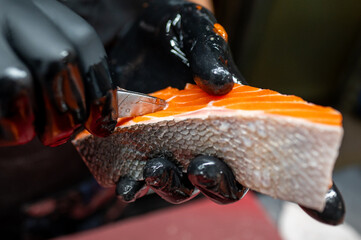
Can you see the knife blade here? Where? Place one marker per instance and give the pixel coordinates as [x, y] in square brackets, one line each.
[132, 104]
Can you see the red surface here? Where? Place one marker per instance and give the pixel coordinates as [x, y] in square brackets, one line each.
[200, 219]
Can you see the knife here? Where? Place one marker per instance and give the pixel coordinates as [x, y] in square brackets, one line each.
[132, 104]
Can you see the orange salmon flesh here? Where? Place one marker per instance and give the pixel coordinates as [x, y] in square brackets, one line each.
[242, 97]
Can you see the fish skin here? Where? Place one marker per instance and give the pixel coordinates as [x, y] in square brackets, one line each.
[285, 157]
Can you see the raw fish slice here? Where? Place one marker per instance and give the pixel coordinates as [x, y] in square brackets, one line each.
[275, 144]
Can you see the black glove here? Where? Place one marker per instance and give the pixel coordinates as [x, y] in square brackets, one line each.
[215, 180]
[204, 174]
[54, 76]
[171, 44]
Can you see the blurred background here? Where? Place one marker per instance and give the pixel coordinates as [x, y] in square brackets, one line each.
[307, 48]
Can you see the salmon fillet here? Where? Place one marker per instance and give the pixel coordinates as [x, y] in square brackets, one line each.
[275, 144]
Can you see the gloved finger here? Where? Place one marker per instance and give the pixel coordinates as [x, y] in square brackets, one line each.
[59, 90]
[16, 99]
[165, 179]
[215, 180]
[100, 94]
[334, 211]
[128, 189]
[206, 46]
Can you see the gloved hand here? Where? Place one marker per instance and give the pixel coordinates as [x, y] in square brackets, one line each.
[54, 76]
[205, 174]
[172, 43]
[215, 180]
